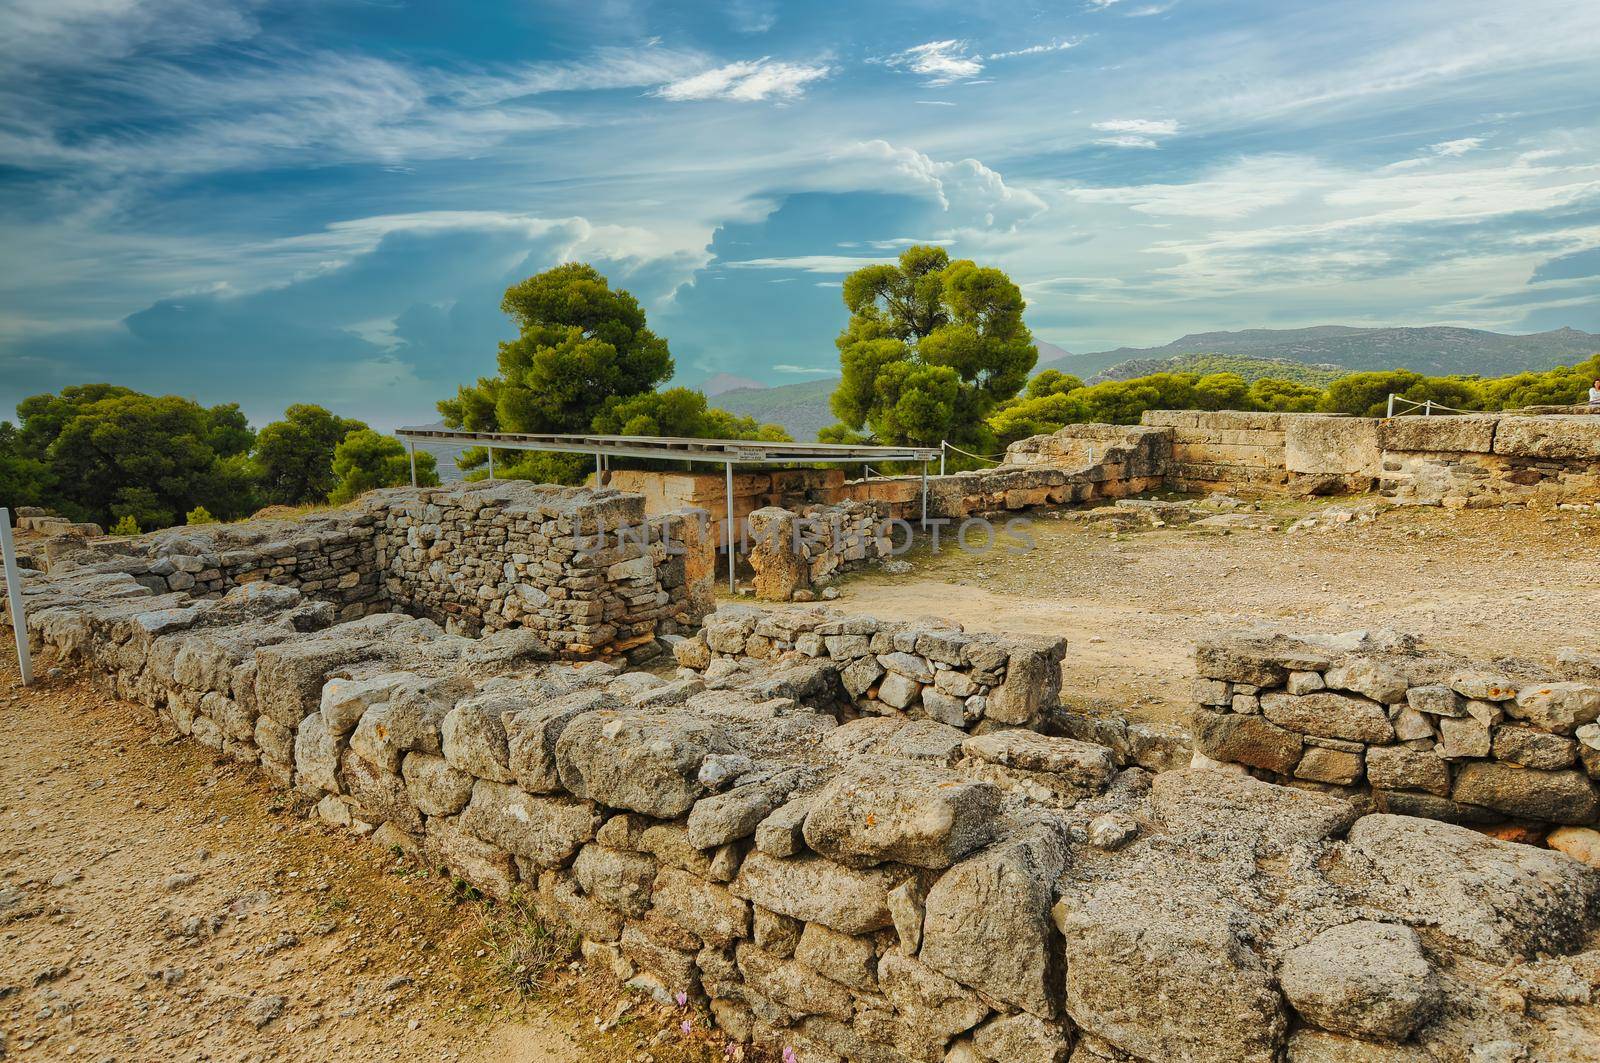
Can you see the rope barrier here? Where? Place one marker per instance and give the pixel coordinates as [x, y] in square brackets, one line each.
[970, 454]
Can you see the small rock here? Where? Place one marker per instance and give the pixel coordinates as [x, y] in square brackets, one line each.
[180, 880]
[1112, 831]
[263, 1010]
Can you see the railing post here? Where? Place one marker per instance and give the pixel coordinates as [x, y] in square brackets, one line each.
[941, 457]
[1391, 404]
[491, 463]
[411, 444]
[19, 620]
[727, 535]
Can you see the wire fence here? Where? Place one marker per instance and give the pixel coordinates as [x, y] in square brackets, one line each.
[1400, 406]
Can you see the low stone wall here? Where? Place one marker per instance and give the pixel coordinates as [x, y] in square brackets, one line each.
[1455, 460]
[883, 889]
[1421, 733]
[584, 568]
[978, 682]
[332, 557]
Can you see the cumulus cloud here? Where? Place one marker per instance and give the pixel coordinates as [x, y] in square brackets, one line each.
[1136, 132]
[748, 81]
[1450, 149]
[972, 195]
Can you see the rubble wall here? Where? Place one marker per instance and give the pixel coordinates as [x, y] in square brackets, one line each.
[584, 568]
[1418, 733]
[796, 553]
[976, 682]
[1456, 460]
[879, 889]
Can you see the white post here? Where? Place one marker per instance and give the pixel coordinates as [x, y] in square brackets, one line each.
[1391, 404]
[412, 445]
[1427, 407]
[941, 457]
[19, 621]
[727, 532]
[597, 468]
[924, 493]
[491, 463]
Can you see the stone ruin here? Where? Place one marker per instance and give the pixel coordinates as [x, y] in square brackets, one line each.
[830, 867]
[1406, 729]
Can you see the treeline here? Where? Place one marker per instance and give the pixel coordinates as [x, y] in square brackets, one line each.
[1053, 399]
[131, 462]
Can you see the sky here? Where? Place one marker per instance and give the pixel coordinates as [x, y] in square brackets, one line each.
[271, 202]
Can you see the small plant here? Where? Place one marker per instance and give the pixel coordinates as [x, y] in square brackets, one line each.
[526, 949]
[126, 526]
[199, 515]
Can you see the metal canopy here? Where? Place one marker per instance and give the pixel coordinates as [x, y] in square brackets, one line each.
[739, 451]
[725, 452]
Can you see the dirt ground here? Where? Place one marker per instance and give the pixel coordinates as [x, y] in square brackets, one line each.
[160, 903]
[1131, 604]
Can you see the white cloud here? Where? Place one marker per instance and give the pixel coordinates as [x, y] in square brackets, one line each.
[1037, 49]
[1136, 132]
[809, 263]
[1233, 191]
[750, 80]
[972, 195]
[941, 62]
[1451, 149]
[784, 367]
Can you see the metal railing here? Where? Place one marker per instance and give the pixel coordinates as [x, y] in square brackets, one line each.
[1411, 406]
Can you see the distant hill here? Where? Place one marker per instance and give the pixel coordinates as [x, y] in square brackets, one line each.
[1318, 375]
[1435, 350]
[724, 382]
[802, 409]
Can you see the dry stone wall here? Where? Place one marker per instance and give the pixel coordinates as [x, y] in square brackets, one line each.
[582, 567]
[973, 681]
[794, 554]
[1418, 733]
[879, 889]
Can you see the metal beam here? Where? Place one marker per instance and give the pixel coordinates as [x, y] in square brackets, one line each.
[19, 619]
[719, 451]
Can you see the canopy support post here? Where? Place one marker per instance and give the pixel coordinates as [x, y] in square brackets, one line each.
[727, 533]
[19, 620]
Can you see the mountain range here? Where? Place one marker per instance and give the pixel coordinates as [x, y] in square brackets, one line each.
[1311, 355]
[1438, 350]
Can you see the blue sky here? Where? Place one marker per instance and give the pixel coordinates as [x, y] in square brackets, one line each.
[318, 200]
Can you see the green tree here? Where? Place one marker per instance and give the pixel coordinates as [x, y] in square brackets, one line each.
[24, 480]
[931, 349]
[125, 526]
[199, 515]
[365, 460]
[580, 345]
[293, 459]
[1283, 396]
[148, 457]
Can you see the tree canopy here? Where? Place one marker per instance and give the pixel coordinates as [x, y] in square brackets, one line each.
[365, 460]
[293, 460]
[932, 347]
[584, 361]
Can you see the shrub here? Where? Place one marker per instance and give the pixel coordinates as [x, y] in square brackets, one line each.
[126, 525]
[199, 515]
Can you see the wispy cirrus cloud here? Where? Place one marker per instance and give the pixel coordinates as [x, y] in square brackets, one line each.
[748, 81]
[939, 62]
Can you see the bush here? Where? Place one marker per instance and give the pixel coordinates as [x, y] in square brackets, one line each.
[125, 526]
[198, 515]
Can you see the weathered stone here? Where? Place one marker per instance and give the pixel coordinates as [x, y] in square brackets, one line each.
[727, 817]
[1580, 843]
[1482, 686]
[1435, 700]
[1335, 766]
[1167, 977]
[932, 1008]
[1558, 707]
[485, 866]
[1374, 678]
[816, 890]
[1329, 715]
[1399, 768]
[474, 741]
[1308, 1045]
[907, 664]
[1251, 740]
[792, 985]
[1462, 739]
[859, 676]
[907, 905]
[436, 788]
[922, 816]
[1553, 796]
[379, 796]
[648, 764]
[844, 958]
[616, 877]
[944, 708]
[1534, 749]
[1032, 686]
[532, 734]
[987, 922]
[782, 833]
[672, 969]
[1211, 804]
[1365, 979]
[1022, 1038]
[1083, 763]
[898, 690]
[703, 908]
[316, 755]
[544, 830]
[345, 700]
[921, 740]
[1493, 900]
